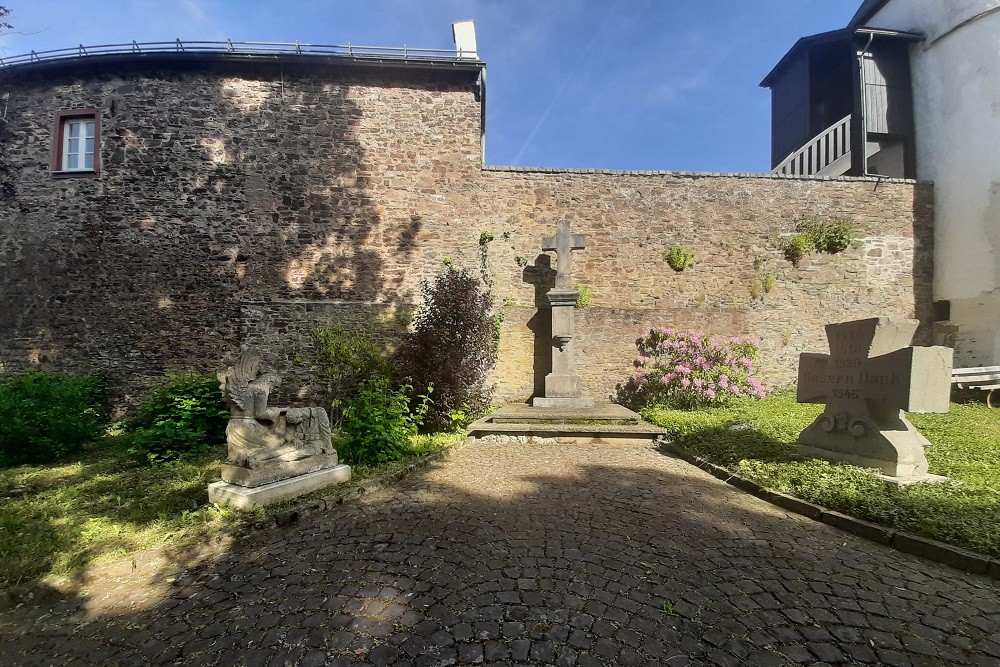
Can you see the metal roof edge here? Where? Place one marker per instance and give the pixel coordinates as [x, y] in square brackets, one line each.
[833, 35]
[428, 64]
[801, 43]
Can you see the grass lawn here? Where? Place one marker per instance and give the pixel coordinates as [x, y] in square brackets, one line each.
[965, 447]
[57, 519]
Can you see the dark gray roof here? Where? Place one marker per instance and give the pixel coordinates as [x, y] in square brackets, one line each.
[867, 10]
[804, 43]
[833, 36]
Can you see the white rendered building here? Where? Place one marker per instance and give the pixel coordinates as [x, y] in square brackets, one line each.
[921, 80]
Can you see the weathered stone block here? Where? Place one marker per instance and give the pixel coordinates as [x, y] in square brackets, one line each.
[223, 493]
[866, 382]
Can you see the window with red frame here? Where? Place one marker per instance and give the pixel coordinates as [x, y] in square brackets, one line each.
[76, 146]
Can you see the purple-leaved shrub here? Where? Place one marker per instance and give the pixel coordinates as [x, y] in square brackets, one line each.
[691, 369]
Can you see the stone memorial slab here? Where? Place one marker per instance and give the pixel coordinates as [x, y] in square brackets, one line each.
[269, 446]
[868, 380]
[562, 385]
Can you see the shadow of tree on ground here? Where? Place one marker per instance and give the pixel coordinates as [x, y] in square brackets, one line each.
[529, 554]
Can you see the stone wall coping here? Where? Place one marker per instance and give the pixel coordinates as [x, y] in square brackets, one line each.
[698, 174]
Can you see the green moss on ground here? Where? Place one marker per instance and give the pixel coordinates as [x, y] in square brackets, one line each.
[965, 447]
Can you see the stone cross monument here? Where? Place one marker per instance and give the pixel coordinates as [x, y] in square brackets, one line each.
[869, 378]
[562, 385]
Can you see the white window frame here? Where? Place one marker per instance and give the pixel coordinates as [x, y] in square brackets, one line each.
[88, 129]
[65, 148]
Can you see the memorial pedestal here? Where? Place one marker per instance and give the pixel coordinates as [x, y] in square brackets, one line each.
[562, 385]
[242, 497]
[867, 382]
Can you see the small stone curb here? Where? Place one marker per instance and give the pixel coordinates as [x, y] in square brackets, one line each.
[962, 559]
[296, 512]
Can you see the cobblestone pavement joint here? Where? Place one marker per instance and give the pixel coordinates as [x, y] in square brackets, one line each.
[534, 555]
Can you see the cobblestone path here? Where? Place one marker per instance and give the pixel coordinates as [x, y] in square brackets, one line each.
[535, 555]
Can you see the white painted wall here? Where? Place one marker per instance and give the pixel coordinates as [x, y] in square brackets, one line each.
[956, 81]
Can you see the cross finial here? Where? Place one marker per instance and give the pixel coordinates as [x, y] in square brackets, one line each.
[564, 243]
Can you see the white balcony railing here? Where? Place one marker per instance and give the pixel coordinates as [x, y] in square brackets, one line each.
[827, 154]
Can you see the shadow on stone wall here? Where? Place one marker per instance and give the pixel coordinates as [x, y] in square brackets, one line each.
[543, 277]
[923, 264]
[220, 188]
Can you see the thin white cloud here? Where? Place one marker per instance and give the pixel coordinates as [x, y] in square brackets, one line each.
[195, 11]
[576, 65]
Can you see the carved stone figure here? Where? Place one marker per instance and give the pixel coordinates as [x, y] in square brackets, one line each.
[268, 444]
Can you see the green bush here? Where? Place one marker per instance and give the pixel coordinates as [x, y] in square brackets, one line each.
[182, 417]
[378, 423]
[829, 236]
[680, 258]
[452, 348]
[341, 362]
[44, 416]
[796, 248]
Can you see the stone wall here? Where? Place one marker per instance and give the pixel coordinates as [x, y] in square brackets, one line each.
[734, 225]
[222, 185]
[247, 204]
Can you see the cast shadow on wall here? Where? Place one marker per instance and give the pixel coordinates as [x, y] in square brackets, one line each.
[542, 276]
[225, 189]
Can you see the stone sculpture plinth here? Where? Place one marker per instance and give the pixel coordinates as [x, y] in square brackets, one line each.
[274, 453]
[562, 385]
[867, 381]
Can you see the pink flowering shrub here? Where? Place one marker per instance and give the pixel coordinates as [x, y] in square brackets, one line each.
[691, 369]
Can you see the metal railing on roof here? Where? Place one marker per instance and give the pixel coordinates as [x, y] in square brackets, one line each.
[248, 49]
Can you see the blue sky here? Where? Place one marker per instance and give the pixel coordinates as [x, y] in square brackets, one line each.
[602, 84]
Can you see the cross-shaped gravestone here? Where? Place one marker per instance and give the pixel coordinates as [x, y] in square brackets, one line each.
[564, 243]
[562, 385]
[869, 378]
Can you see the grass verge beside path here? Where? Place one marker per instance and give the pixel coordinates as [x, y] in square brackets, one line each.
[965, 446]
[55, 520]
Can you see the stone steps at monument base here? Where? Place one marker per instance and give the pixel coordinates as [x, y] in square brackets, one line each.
[605, 413]
[568, 433]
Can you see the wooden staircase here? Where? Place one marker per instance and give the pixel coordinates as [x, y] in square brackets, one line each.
[826, 154]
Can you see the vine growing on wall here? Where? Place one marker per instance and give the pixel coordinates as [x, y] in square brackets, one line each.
[485, 239]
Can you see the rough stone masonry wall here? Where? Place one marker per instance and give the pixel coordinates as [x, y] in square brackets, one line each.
[230, 195]
[243, 204]
[734, 225]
